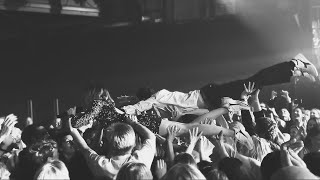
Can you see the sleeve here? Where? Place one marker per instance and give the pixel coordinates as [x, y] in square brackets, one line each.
[100, 166]
[140, 106]
[186, 100]
[248, 122]
[146, 153]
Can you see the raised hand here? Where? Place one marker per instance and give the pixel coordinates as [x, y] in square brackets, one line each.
[194, 135]
[289, 157]
[172, 133]
[248, 90]
[161, 168]
[9, 122]
[218, 143]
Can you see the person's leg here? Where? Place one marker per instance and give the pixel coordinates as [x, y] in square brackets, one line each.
[276, 74]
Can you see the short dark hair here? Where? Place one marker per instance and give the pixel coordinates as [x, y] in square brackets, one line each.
[185, 158]
[270, 164]
[231, 167]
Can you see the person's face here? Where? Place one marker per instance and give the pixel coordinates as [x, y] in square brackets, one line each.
[314, 114]
[67, 144]
[311, 123]
[297, 114]
[293, 132]
[306, 116]
[285, 113]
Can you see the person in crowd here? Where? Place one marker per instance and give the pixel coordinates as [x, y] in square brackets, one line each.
[101, 108]
[117, 150]
[314, 113]
[134, 171]
[52, 170]
[209, 96]
[183, 172]
[311, 123]
[72, 158]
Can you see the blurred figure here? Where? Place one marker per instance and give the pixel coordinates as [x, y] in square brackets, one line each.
[52, 170]
[134, 171]
[183, 172]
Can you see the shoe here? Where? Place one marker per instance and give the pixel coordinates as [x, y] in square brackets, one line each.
[304, 65]
[234, 105]
[241, 135]
[298, 73]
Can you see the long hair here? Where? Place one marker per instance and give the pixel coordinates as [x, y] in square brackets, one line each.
[134, 171]
[96, 91]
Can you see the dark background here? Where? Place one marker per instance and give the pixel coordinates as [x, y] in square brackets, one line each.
[44, 57]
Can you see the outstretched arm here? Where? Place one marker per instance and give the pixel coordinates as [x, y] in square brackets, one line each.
[141, 106]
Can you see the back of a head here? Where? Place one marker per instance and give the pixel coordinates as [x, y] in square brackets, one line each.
[145, 93]
[134, 171]
[232, 168]
[185, 158]
[312, 161]
[33, 133]
[120, 139]
[216, 174]
[183, 172]
[270, 164]
[263, 127]
[293, 173]
[53, 170]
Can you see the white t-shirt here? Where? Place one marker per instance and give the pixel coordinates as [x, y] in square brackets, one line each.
[109, 167]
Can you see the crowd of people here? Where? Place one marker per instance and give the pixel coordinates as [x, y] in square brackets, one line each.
[219, 132]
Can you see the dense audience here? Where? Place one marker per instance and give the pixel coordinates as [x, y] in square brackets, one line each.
[172, 135]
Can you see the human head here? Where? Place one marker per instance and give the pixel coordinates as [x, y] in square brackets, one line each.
[216, 174]
[233, 168]
[96, 91]
[34, 133]
[134, 171]
[66, 144]
[145, 93]
[293, 173]
[306, 115]
[315, 113]
[42, 151]
[120, 139]
[314, 136]
[185, 158]
[294, 132]
[266, 128]
[312, 122]
[270, 164]
[297, 116]
[183, 172]
[284, 114]
[52, 170]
